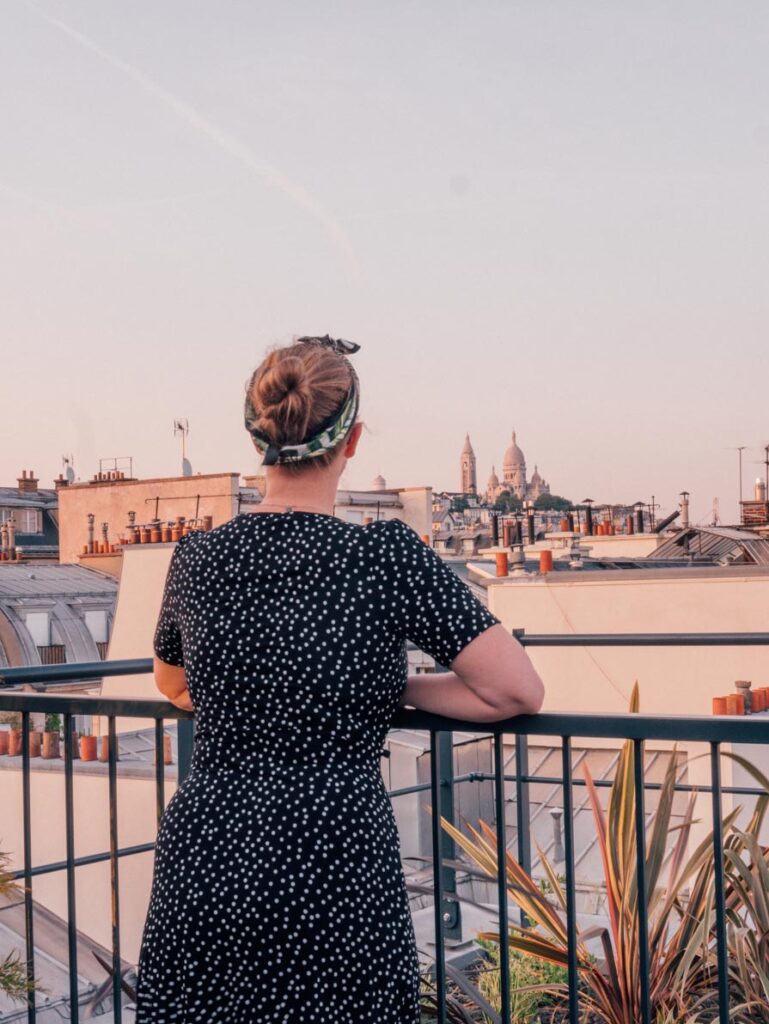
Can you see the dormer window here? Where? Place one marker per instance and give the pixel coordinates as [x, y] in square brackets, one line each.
[27, 520]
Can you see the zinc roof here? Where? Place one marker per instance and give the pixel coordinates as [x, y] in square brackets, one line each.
[36, 580]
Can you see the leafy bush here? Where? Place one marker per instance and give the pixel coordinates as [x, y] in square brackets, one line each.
[13, 973]
[532, 982]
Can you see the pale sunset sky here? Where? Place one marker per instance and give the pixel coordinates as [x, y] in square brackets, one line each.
[549, 216]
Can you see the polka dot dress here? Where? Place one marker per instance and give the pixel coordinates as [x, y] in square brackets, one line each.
[278, 892]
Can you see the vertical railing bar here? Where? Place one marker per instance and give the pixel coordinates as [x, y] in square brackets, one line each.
[29, 927]
[571, 890]
[504, 946]
[69, 814]
[522, 809]
[718, 874]
[641, 889]
[440, 964]
[160, 771]
[117, 973]
[185, 736]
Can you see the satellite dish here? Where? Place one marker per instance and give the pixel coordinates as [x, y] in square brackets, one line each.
[186, 467]
[70, 475]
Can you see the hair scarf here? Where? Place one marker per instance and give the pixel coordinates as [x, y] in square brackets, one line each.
[329, 433]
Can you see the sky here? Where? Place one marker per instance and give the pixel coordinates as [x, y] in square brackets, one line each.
[549, 217]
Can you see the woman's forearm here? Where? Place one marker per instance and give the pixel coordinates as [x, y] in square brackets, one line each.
[444, 693]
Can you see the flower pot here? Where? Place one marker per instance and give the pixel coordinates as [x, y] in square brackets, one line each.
[735, 704]
[167, 756]
[88, 748]
[719, 706]
[104, 748]
[5, 737]
[51, 744]
[35, 743]
[14, 742]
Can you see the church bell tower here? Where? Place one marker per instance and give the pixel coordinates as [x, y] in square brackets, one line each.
[467, 463]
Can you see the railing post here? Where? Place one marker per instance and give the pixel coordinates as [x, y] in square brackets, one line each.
[28, 904]
[117, 973]
[522, 809]
[69, 815]
[437, 810]
[718, 877]
[642, 895]
[504, 941]
[185, 736]
[571, 883]
[452, 922]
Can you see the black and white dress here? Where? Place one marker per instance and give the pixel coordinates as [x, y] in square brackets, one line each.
[278, 892]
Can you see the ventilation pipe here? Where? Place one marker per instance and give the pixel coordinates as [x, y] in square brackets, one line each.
[760, 489]
[685, 510]
[639, 517]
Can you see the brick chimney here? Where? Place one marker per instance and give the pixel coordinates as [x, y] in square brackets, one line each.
[26, 483]
[60, 481]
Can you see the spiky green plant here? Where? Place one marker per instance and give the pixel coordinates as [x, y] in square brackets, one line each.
[680, 904]
[13, 972]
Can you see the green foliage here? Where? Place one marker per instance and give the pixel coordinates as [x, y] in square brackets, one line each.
[683, 965]
[552, 503]
[13, 973]
[52, 722]
[533, 983]
[12, 718]
[459, 503]
[508, 502]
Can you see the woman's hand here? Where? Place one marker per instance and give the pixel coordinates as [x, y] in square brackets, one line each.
[183, 701]
[171, 680]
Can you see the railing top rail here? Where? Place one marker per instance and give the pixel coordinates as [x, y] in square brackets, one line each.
[672, 728]
[641, 639]
[139, 666]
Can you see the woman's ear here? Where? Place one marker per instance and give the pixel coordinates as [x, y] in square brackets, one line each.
[352, 441]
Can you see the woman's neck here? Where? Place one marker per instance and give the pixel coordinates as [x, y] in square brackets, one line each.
[317, 493]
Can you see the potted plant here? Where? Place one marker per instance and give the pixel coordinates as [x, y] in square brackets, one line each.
[51, 735]
[88, 745]
[11, 719]
[35, 743]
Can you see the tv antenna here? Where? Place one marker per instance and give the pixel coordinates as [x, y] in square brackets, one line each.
[182, 426]
[740, 448]
[68, 462]
[716, 512]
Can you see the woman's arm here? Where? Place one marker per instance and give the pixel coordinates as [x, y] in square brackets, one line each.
[171, 680]
[492, 678]
[444, 693]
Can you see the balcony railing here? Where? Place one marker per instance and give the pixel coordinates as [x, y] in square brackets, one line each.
[564, 728]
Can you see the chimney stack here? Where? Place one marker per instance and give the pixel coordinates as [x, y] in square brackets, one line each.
[760, 490]
[685, 510]
[27, 484]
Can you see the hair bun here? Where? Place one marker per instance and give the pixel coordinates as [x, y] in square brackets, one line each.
[297, 387]
[283, 378]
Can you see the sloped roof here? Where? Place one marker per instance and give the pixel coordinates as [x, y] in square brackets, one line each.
[715, 544]
[28, 579]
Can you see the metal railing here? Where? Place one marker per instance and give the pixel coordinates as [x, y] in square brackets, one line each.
[637, 728]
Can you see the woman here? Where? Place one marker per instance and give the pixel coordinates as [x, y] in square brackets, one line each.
[278, 893]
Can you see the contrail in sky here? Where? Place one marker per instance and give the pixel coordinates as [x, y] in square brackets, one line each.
[236, 149]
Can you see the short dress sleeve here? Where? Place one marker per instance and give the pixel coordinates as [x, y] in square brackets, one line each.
[429, 603]
[167, 642]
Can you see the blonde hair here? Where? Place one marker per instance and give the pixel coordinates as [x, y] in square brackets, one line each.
[294, 390]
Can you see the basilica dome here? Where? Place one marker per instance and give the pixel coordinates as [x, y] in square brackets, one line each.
[514, 458]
